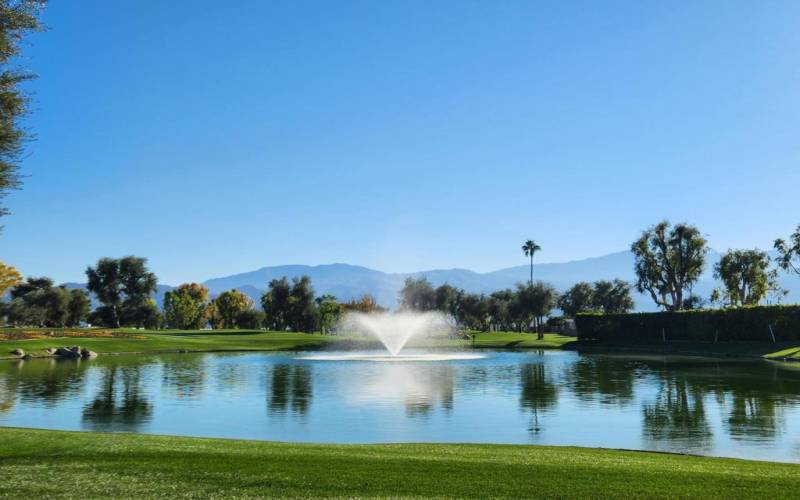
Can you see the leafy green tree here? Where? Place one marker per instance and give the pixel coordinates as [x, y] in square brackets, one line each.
[579, 298]
[37, 302]
[302, 314]
[746, 278]
[473, 311]
[251, 319]
[789, 252]
[500, 308]
[18, 18]
[329, 312]
[187, 307]
[446, 298]
[418, 295]
[8, 277]
[123, 286]
[668, 261]
[533, 303]
[275, 303]
[79, 307]
[228, 308]
[529, 249]
[612, 297]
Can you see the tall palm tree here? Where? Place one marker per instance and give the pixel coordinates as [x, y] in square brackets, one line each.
[530, 247]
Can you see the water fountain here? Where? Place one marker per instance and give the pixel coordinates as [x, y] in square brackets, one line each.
[395, 330]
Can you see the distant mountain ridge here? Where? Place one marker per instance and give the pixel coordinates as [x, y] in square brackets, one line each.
[347, 281]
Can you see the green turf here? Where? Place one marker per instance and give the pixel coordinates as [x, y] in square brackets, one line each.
[39, 464]
[141, 341]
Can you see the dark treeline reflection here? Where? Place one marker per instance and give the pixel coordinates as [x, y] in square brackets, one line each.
[184, 375]
[538, 392]
[605, 379]
[290, 389]
[44, 381]
[120, 402]
[677, 416]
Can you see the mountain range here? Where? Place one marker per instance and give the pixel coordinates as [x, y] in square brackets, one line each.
[347, 281]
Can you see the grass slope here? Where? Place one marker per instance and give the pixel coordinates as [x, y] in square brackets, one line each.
[255, 340]
[37, 464]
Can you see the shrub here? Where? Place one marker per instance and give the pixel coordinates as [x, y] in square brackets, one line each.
[750, 324]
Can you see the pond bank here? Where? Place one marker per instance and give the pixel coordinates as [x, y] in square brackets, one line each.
[38, 463]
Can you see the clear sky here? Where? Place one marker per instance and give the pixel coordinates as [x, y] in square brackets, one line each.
[218, 137]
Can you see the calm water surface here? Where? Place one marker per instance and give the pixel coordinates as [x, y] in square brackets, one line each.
[710, 407]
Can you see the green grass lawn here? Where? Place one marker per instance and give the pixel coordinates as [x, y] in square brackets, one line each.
[37, 464]
[253, 340]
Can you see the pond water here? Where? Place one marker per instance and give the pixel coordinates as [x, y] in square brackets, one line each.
[703, 406]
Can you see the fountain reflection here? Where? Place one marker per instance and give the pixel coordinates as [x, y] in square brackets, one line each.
[419, 387]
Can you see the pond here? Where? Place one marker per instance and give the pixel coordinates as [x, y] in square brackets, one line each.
[703, 406]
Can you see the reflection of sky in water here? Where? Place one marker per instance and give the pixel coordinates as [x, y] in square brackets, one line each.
[745, 409]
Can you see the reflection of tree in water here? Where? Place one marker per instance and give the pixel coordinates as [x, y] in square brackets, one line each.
[119, 403]
[291, 389]
[8, 392]
[752, 417]
[184, 374]
[538, 394]
[677, 415]
[607, 379]
[48, 381]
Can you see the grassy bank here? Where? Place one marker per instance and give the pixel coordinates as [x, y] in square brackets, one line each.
[142, 341]
[39, 464]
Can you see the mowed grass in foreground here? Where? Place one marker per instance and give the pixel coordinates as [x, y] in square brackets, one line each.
[144, 341]
[36, 464]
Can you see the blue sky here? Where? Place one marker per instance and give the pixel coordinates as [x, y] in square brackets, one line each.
[219, 137]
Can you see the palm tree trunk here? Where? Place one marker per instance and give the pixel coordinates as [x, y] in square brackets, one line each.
[531, 282]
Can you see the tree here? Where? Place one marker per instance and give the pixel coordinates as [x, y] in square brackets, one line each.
[500, 308]
[533, 303]
[612, 297]
[789, 252]
[275, 302]
[9, 277]
[579, 298]
[418, 295]
[79, 307]
[302, 314]
[668, 261]
[745, 277]
[186, 307]
[123, 286]
[329, 312]
[473, 311]
[17, 19]
[446, 298]
[37, 302]
[229, 307]
[530, 248]
[365, 304]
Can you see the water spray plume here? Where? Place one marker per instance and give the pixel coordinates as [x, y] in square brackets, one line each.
[395, 329]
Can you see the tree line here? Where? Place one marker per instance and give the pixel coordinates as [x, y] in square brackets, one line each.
[668, 261]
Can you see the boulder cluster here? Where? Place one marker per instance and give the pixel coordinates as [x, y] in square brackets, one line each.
[61, 352]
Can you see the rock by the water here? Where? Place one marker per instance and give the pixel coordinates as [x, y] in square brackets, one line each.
[67, 353]
[18, 352]
[50, 350]
[86, 353]
[27, 356]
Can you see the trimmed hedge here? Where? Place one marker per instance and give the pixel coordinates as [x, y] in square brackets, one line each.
[749, 324]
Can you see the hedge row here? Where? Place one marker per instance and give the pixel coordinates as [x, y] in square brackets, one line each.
[705, 325]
